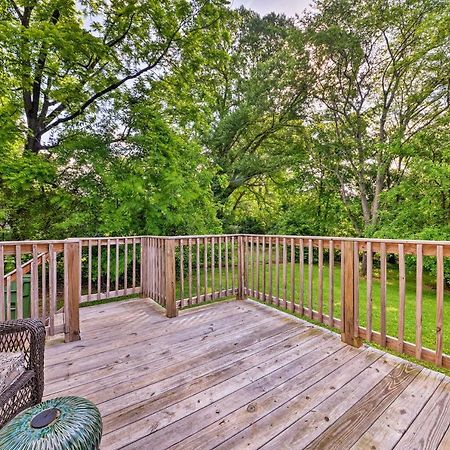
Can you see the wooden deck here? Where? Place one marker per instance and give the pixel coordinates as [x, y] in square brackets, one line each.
[242, 375]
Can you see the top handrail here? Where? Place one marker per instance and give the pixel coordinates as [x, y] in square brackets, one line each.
[354, 239]
[202, 236]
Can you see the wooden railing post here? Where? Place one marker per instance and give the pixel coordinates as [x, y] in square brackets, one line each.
[170, 275]
[349, 332]
[241, 268]
[145, 275]
[72, 290]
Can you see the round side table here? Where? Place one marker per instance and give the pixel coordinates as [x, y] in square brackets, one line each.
[64, 423]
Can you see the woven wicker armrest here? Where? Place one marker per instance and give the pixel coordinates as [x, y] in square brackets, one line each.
[26, 336]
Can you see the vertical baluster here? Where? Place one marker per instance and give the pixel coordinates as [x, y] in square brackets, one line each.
[162, 252]
[292, 275]
[108, 265]
[439, 303]
[257, 269]
[117, 265]
[320, 282]
[154, 244]
[134, 265]
[383, 276]
[150, 245]
[43, 287]
[301, 277]
[8, 298]
[190, 271]
[226, 266]
[163, 270]
[419, 299]
[402, 296]
[52, 287]
[245, 273]
[2, 284]
[89, 269]
[277, 269]
[19, 283]
[205, 267]
[252, 275]
[263, 258]
[213, 281]
[198, 270]
[284, 273]
[99, 268]
[356, 289]
[331, 285]
[220, 265]
[34, 284]
[160, 249]
[270, 257]
[66, 286]
[342, 243]
[182, 272]
[369, 293]
[125, 268]
[310, 277]
[156, 267]
[232, 264]
[80, 267]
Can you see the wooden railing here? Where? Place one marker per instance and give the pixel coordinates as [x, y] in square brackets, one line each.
[344, 283]
[389, 292]
[49, 263]
[63, 274]
[110, 267]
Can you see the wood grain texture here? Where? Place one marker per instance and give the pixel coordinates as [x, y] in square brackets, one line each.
[2, 286]
[388, 429]
[311, 425]
[356, 420]
[439, 303]
[431, 425]
[369, 293]
[419, 300]
[241, 375]
[331, 284]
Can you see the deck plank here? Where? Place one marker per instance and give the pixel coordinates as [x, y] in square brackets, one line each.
[388, 429]
[85, 368]
[355, 421]
[431, 424]
[280, 411]
[260, 359]
[185, 402]
[237, 374]
[139, 376]
[312, 424]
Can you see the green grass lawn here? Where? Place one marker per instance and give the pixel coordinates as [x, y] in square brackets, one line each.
[392, 300]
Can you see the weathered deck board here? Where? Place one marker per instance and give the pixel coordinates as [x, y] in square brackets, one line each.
[241, 375]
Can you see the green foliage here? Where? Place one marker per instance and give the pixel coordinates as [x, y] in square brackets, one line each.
[190, 117]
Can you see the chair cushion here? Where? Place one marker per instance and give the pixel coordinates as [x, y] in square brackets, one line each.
[12, 366]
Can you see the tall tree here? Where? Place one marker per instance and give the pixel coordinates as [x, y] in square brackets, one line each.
[259, 95]
[382, 70]
[66, 56]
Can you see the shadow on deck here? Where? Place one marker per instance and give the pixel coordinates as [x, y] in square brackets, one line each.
[242, 375]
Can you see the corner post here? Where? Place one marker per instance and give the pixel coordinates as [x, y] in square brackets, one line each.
[349, 333]
[72, 289]
[170, 275]
[241, 269]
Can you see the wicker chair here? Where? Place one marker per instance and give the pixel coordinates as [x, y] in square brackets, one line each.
[28, 337]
